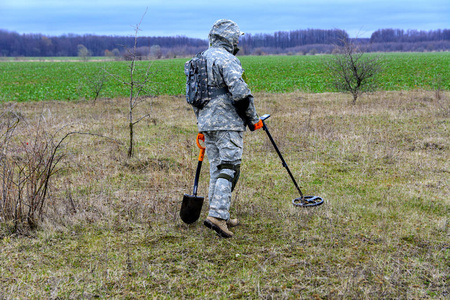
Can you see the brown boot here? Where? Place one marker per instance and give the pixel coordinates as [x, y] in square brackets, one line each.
[219, 226]
[232, 222]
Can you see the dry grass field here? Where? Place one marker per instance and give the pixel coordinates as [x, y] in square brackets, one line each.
[109, 226]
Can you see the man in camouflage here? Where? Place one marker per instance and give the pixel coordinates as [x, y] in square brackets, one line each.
[223, 121]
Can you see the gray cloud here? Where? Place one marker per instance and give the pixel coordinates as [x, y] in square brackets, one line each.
[194, 18]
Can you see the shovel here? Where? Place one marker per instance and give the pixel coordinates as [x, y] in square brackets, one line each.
[192, 205]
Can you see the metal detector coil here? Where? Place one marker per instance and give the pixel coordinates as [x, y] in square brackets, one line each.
[308, 201]
[303, 201]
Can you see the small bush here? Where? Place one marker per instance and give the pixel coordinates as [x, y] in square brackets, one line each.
[29, 157]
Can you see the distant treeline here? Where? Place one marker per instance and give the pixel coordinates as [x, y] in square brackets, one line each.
[34, 45]
[309, 41]
[313, 41]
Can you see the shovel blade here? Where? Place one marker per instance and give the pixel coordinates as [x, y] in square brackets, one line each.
[191, 208]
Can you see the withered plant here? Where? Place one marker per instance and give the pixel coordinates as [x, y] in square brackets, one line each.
[353, 70]
[139, 85]
[28, 162]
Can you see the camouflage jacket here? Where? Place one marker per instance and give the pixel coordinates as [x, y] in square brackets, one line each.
[225, 70]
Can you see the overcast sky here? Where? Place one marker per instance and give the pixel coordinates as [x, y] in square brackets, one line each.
[193, 18]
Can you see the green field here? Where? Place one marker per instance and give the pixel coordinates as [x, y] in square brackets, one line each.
[109, 226]
[66, 80]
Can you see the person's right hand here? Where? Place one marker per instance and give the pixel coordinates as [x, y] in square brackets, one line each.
[256, 126]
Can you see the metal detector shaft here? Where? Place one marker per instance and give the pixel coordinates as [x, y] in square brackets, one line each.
[264, 117]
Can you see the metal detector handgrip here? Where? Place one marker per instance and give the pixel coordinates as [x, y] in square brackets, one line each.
[265, 117]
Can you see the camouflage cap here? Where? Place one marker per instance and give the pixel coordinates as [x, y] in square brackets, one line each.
[225, 31]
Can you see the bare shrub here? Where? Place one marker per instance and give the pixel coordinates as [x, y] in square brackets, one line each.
[30, 156]
[139, 85]
[437, 85]
[95, 84]
[28, 162]
[443, 105]
[352, 70]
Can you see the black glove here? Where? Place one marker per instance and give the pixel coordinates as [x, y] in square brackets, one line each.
[241, 107]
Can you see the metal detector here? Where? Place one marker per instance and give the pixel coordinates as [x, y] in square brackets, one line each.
[304, 201]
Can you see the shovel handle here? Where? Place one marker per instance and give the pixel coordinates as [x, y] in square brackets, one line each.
[197, 173]
[201, 155]
[200, 136]
[197, 176]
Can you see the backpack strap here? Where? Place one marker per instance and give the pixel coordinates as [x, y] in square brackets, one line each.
[214, 91]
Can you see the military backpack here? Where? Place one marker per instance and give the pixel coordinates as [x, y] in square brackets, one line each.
[197, 91]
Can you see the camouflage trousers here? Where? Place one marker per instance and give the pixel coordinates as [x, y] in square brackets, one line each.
[224, 152]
